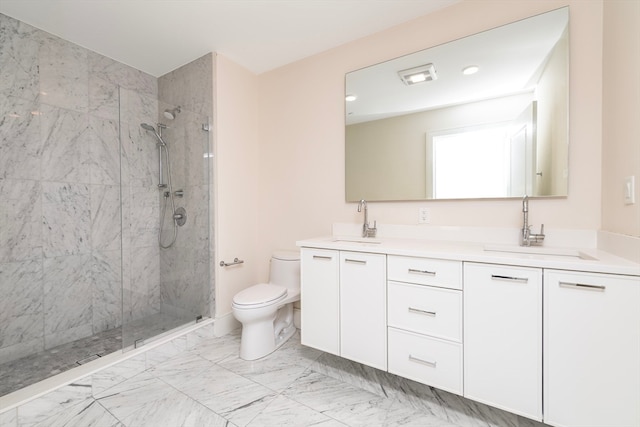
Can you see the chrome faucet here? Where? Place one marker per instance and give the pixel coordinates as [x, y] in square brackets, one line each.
[527, 238]
[366, 230]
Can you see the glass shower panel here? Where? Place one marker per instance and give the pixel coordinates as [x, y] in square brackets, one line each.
[166, 250]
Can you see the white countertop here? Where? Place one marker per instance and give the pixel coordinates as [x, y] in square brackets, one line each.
[560, 258]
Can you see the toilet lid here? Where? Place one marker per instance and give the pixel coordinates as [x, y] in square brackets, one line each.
[287, 255]
[263, 293]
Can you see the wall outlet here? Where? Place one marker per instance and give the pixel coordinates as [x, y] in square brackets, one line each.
[424, 216]
[630, 190]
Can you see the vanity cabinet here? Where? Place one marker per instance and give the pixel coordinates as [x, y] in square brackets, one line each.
[363, 304]
[425, 321]
[591, 349]
[481, 328]
[503, 337]
[320, 299]
[344, 304]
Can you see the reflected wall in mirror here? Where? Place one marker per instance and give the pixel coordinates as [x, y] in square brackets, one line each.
[449, 134]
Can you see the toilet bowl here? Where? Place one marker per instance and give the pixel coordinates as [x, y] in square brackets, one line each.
[266, 309]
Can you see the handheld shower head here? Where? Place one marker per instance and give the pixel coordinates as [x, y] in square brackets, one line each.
[171, 114]
[155, 132]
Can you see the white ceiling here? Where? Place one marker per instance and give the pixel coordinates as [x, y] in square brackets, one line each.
[158, 36]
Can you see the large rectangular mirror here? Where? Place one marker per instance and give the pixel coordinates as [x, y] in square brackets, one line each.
[485, 116]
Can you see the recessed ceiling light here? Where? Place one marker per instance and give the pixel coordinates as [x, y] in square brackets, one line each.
[471, 69]
[350, 98]
[423, 73]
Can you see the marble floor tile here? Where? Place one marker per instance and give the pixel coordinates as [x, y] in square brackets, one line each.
[283, 412]
[219, 348]
[345, 403]
[144, 400]
[277, 370]
[118, 373]
[181, 366]
[399, 414]
[203, 382]
[9, 418]
[86, 414]
[54, 403]
[236, 398]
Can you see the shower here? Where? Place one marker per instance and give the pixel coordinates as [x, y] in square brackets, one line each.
[179, 215]
[171, 114]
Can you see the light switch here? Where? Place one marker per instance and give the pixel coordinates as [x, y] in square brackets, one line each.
[630, 190]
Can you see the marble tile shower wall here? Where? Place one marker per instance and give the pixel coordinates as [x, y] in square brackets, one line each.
[184, 268]
[62, 109]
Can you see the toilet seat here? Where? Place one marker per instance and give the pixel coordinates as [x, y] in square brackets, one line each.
[259, 295]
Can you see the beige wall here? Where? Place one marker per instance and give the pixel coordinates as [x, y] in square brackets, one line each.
[284, 180]
[236, 178]
[302, 129]
[621, 115]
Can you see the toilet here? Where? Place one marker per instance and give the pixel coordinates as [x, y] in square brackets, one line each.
[266, 309]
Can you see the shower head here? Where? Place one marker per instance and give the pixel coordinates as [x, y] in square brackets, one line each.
[155, 132]
[171, 114]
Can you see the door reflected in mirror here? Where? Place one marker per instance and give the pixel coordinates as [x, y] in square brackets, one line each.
[499, 132]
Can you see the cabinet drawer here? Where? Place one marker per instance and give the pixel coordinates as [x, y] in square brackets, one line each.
[425, 310]
[427, 360]
[425, 271]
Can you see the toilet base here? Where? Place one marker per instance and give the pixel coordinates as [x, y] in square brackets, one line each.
[259, 339]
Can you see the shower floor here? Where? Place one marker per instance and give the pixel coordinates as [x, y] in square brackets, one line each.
[31, 369]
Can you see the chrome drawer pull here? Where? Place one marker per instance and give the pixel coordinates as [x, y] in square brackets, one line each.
[600, 288]
[430, 273]
[423, 361]
[355, 261]
[418, 311]
[322, 257]
[510, 278]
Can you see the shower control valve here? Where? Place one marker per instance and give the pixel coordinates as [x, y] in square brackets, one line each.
[179, 193]
[180, 216]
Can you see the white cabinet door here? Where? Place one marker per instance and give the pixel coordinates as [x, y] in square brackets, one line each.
[363, 308]
[592, 349]
[320, 299]
[503, 337]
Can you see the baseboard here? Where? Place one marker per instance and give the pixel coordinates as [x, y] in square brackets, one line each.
[225, 324]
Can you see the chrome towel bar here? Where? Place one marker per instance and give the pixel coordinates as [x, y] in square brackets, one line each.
[235, 262]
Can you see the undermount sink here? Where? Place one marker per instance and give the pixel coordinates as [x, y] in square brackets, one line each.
[538, 250]
[364, 240]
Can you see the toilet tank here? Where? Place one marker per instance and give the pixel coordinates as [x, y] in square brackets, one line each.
[285, 269]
